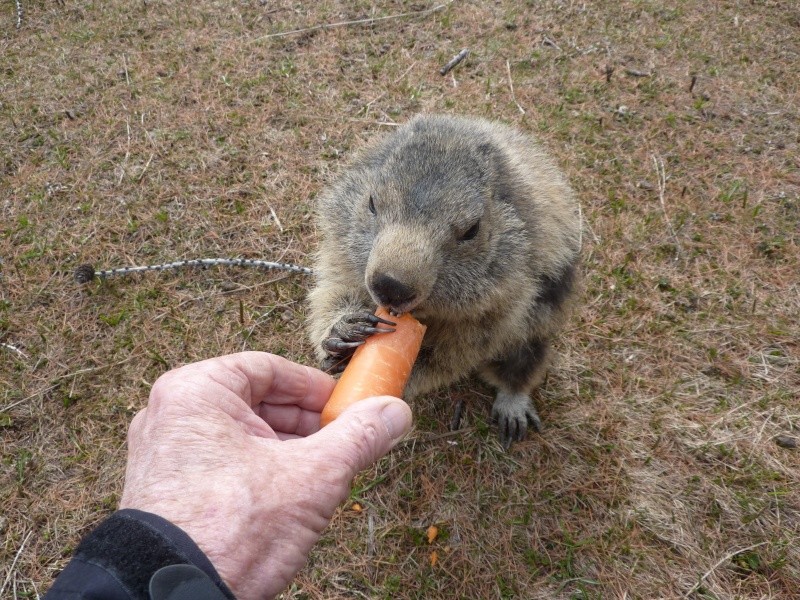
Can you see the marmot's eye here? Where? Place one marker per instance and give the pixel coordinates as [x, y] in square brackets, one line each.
[471, 232]
[372, 206]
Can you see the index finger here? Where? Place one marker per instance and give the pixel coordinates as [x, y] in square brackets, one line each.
[276, 380]
[259, 377]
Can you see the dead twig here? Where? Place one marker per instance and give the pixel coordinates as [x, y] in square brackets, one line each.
[127, 152]
[724, 559]
[249, 334]
[13, 349]
[14, 562]
[275, 218]
[638, 73]
[371, 535]
[369, 21]
[662, 187]
[454, 61]
[585, 224]
[546, 41]
[511, 87]
[141, 175]
[125, 68]
[438, 436]
[20, 13]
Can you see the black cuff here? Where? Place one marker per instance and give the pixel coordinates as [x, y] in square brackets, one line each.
[183, 582]
[130, 546]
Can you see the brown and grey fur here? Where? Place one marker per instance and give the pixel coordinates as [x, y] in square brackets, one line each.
[476, 233]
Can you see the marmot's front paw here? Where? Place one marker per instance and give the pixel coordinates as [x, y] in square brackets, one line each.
[347, 334]
[513, 413]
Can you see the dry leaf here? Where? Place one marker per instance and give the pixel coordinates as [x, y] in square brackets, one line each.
[433, 533]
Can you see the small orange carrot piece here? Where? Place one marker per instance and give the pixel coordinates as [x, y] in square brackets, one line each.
[381, 367]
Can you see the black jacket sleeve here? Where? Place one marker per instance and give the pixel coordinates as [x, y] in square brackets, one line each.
[134, 555]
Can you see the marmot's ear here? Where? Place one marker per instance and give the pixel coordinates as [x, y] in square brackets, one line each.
[495, 171]
[492, 163]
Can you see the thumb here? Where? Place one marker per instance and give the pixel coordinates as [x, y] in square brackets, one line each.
[363, 433]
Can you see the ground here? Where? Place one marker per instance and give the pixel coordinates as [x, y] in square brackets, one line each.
[149, 131]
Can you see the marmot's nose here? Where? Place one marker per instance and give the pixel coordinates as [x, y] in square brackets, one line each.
[392, 293]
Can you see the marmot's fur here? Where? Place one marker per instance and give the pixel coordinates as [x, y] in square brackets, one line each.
[468, 225]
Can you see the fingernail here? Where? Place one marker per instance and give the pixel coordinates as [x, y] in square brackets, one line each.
[397, 418]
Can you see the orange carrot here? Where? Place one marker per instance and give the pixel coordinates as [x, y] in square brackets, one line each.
[381, 367]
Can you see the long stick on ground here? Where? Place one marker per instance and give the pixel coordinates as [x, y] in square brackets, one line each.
[356, 22]
[86, 273]
[19, 13]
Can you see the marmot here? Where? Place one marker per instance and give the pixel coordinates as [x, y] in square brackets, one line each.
[468, 225]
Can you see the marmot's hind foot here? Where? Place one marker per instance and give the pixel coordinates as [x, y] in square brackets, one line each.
[513, 413]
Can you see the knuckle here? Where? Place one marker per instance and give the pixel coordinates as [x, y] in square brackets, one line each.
[136, 426]
[162, 387]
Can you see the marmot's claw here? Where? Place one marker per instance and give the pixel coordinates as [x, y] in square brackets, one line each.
[360, 326]
[510, 431]
[337, 347]
[368, 331]
[360, 317]
[513, 413]
[351, 331]
[353, 328]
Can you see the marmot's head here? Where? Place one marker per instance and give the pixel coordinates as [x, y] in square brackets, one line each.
[427, 219]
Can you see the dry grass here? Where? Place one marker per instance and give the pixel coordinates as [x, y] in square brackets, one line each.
[151, 131]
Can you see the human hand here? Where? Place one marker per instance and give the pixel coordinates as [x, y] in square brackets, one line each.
[228, 449]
